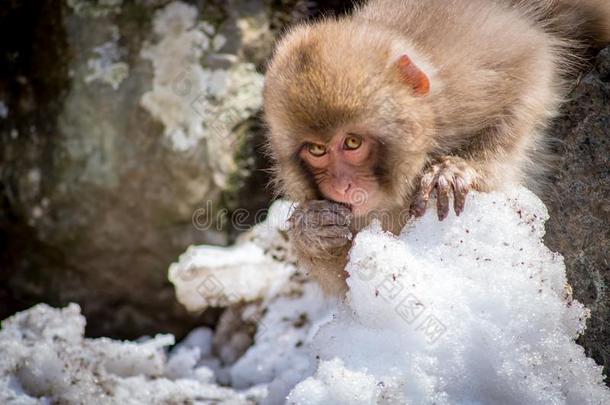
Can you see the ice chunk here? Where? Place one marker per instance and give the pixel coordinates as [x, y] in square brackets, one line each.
[257, 266]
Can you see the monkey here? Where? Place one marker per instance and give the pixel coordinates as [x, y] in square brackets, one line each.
[371, 113]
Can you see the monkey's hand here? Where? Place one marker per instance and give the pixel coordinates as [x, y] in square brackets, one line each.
[320, 229]
[452, 174]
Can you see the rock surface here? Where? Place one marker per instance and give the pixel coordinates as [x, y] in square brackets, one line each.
[579, 202]
[120, 123]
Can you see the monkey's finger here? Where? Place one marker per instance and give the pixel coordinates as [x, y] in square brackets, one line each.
[317, 205]
[460, 191]
[428, 181]
[442, 198]
[335, 242]
[325, 206]
[322, 218]
[418, 208]
[296, 219]
[334, 231]
[341, 210]
[328, 244]
[344, 213]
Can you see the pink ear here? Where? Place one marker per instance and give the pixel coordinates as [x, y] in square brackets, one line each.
[413, 76]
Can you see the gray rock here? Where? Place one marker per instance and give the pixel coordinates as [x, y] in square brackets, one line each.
[115, 131]
[579, 202]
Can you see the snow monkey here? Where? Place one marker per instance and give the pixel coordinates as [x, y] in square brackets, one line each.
[370, 113]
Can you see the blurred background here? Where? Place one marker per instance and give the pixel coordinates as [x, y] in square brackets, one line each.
[130, 130]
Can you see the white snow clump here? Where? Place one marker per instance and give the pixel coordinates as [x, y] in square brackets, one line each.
[257, 266]
[46, 360]
[471, 310]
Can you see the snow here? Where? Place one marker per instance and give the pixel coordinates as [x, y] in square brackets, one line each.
[216, 276]
[45, 359]
[472, 310]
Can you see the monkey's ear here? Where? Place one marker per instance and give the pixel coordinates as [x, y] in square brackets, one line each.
[413, 76]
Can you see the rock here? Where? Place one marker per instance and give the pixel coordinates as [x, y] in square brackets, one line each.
[116, 131]
[579, 202]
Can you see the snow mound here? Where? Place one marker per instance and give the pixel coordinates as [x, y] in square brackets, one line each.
[46, 360]
[257, 266]
[471, 310]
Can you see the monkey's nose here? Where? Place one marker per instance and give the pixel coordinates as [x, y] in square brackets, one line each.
[343, 188]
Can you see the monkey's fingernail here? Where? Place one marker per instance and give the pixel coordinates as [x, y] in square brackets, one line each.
[442, 215]
[442, 203]
[458, 205]
[459, 197]
[442, 208]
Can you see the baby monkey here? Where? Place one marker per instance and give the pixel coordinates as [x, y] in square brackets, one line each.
[371, 113]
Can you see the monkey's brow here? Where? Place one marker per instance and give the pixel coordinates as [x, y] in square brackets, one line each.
[313, 139]
[377, 138]
[297, 151]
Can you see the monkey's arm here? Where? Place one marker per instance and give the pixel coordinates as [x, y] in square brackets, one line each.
[495, 156]
[320, 234]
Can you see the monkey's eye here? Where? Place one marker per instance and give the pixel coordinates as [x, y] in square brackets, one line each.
[352, 142]
[316, 149]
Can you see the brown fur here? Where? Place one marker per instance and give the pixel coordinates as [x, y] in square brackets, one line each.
[497, 70]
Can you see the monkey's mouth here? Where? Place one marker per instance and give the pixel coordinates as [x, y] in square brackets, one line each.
[349, 206]
[346, 205]
[359, 203]
[357, 207]
[357, 210]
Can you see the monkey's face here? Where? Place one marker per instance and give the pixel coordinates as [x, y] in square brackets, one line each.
[343, 170]
[348, 117]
